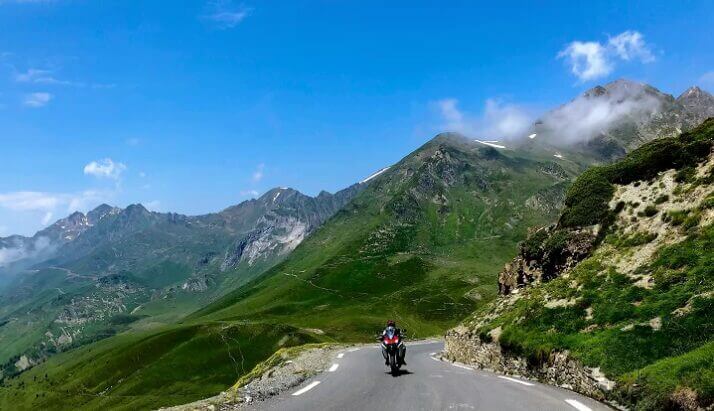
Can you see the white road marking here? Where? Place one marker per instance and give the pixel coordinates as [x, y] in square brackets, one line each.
[515, 380]
[425, 342]
[334, 367]
[307, 388]
[466, 367]
[353, 349]
[340, 355]
[578, 405]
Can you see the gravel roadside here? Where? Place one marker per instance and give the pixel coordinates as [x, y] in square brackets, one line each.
[284, 370]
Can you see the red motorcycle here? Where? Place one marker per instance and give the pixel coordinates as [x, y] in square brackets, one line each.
[393, 349]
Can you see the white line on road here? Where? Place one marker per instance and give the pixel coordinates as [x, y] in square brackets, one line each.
[466, 367]
[515, 380]
[578, 405]
[353, 349]
[334, 367]
[306, 389]
[340, 355]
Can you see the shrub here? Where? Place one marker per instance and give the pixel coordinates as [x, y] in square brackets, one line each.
[708, 202]
[531, 247]
[676, 218]
[685, 175]
[586, 201]
[662, 199]
[650, 211]
[634, 240]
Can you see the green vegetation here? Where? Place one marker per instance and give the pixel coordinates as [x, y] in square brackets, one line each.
[587, 199]
[634, 240]
[657, 341]
[650, 211]
[620, 338]
[141, 371]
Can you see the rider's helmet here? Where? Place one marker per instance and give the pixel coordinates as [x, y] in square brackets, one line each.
[391, 323]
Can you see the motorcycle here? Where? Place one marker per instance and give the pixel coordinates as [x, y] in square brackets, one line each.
[393, 349]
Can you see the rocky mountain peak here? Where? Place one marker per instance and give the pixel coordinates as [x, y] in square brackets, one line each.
[695, 97]
[101, 211]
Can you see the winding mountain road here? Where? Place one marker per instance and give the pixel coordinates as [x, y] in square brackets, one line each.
[358, 380]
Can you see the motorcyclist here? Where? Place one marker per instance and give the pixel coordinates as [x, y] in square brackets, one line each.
[392, 328]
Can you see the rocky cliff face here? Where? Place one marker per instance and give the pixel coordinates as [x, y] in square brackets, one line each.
[614, 301]
[289, 217]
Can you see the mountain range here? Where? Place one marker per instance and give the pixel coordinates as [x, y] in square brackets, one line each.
[421, 241]
[98, 272]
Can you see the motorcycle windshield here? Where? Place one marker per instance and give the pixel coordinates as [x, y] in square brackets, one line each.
[390, 332]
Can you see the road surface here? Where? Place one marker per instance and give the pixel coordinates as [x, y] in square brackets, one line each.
[358, 380]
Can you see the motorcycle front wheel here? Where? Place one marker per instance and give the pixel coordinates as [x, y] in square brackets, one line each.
[393, 366]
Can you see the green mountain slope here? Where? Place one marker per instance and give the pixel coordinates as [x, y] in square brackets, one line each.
[117, 269]
[419, 245]
[622, 284]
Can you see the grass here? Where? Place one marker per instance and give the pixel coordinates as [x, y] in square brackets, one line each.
[610, 324]
[618, 338]
[173, 366]
[587, 199]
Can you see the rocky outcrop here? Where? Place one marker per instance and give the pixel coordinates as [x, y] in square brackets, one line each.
[547, 253]
[288, 217]
[464, 346]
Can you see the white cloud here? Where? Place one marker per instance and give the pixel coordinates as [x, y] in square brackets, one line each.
[47, 77]
[258, 173]
[47, 218]
[505, 120]
[154, 205]
[631, 45]
[50, 202]
[29, 201]
[223, 14]
[589, 60]
[36, 100]
[249, 193]
[707, 79]
[589, 115]
[87, 199]
[499, 120]
[39, 76]
[106, 168]
[42, 207]
[24, 249]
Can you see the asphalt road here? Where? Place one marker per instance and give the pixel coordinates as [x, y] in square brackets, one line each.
[358, 380]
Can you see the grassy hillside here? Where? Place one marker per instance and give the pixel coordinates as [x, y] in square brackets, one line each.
[421, 244]
[639, 306]
[119, 269]
[146, 370]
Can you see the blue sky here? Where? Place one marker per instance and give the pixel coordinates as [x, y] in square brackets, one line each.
[194, 108]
